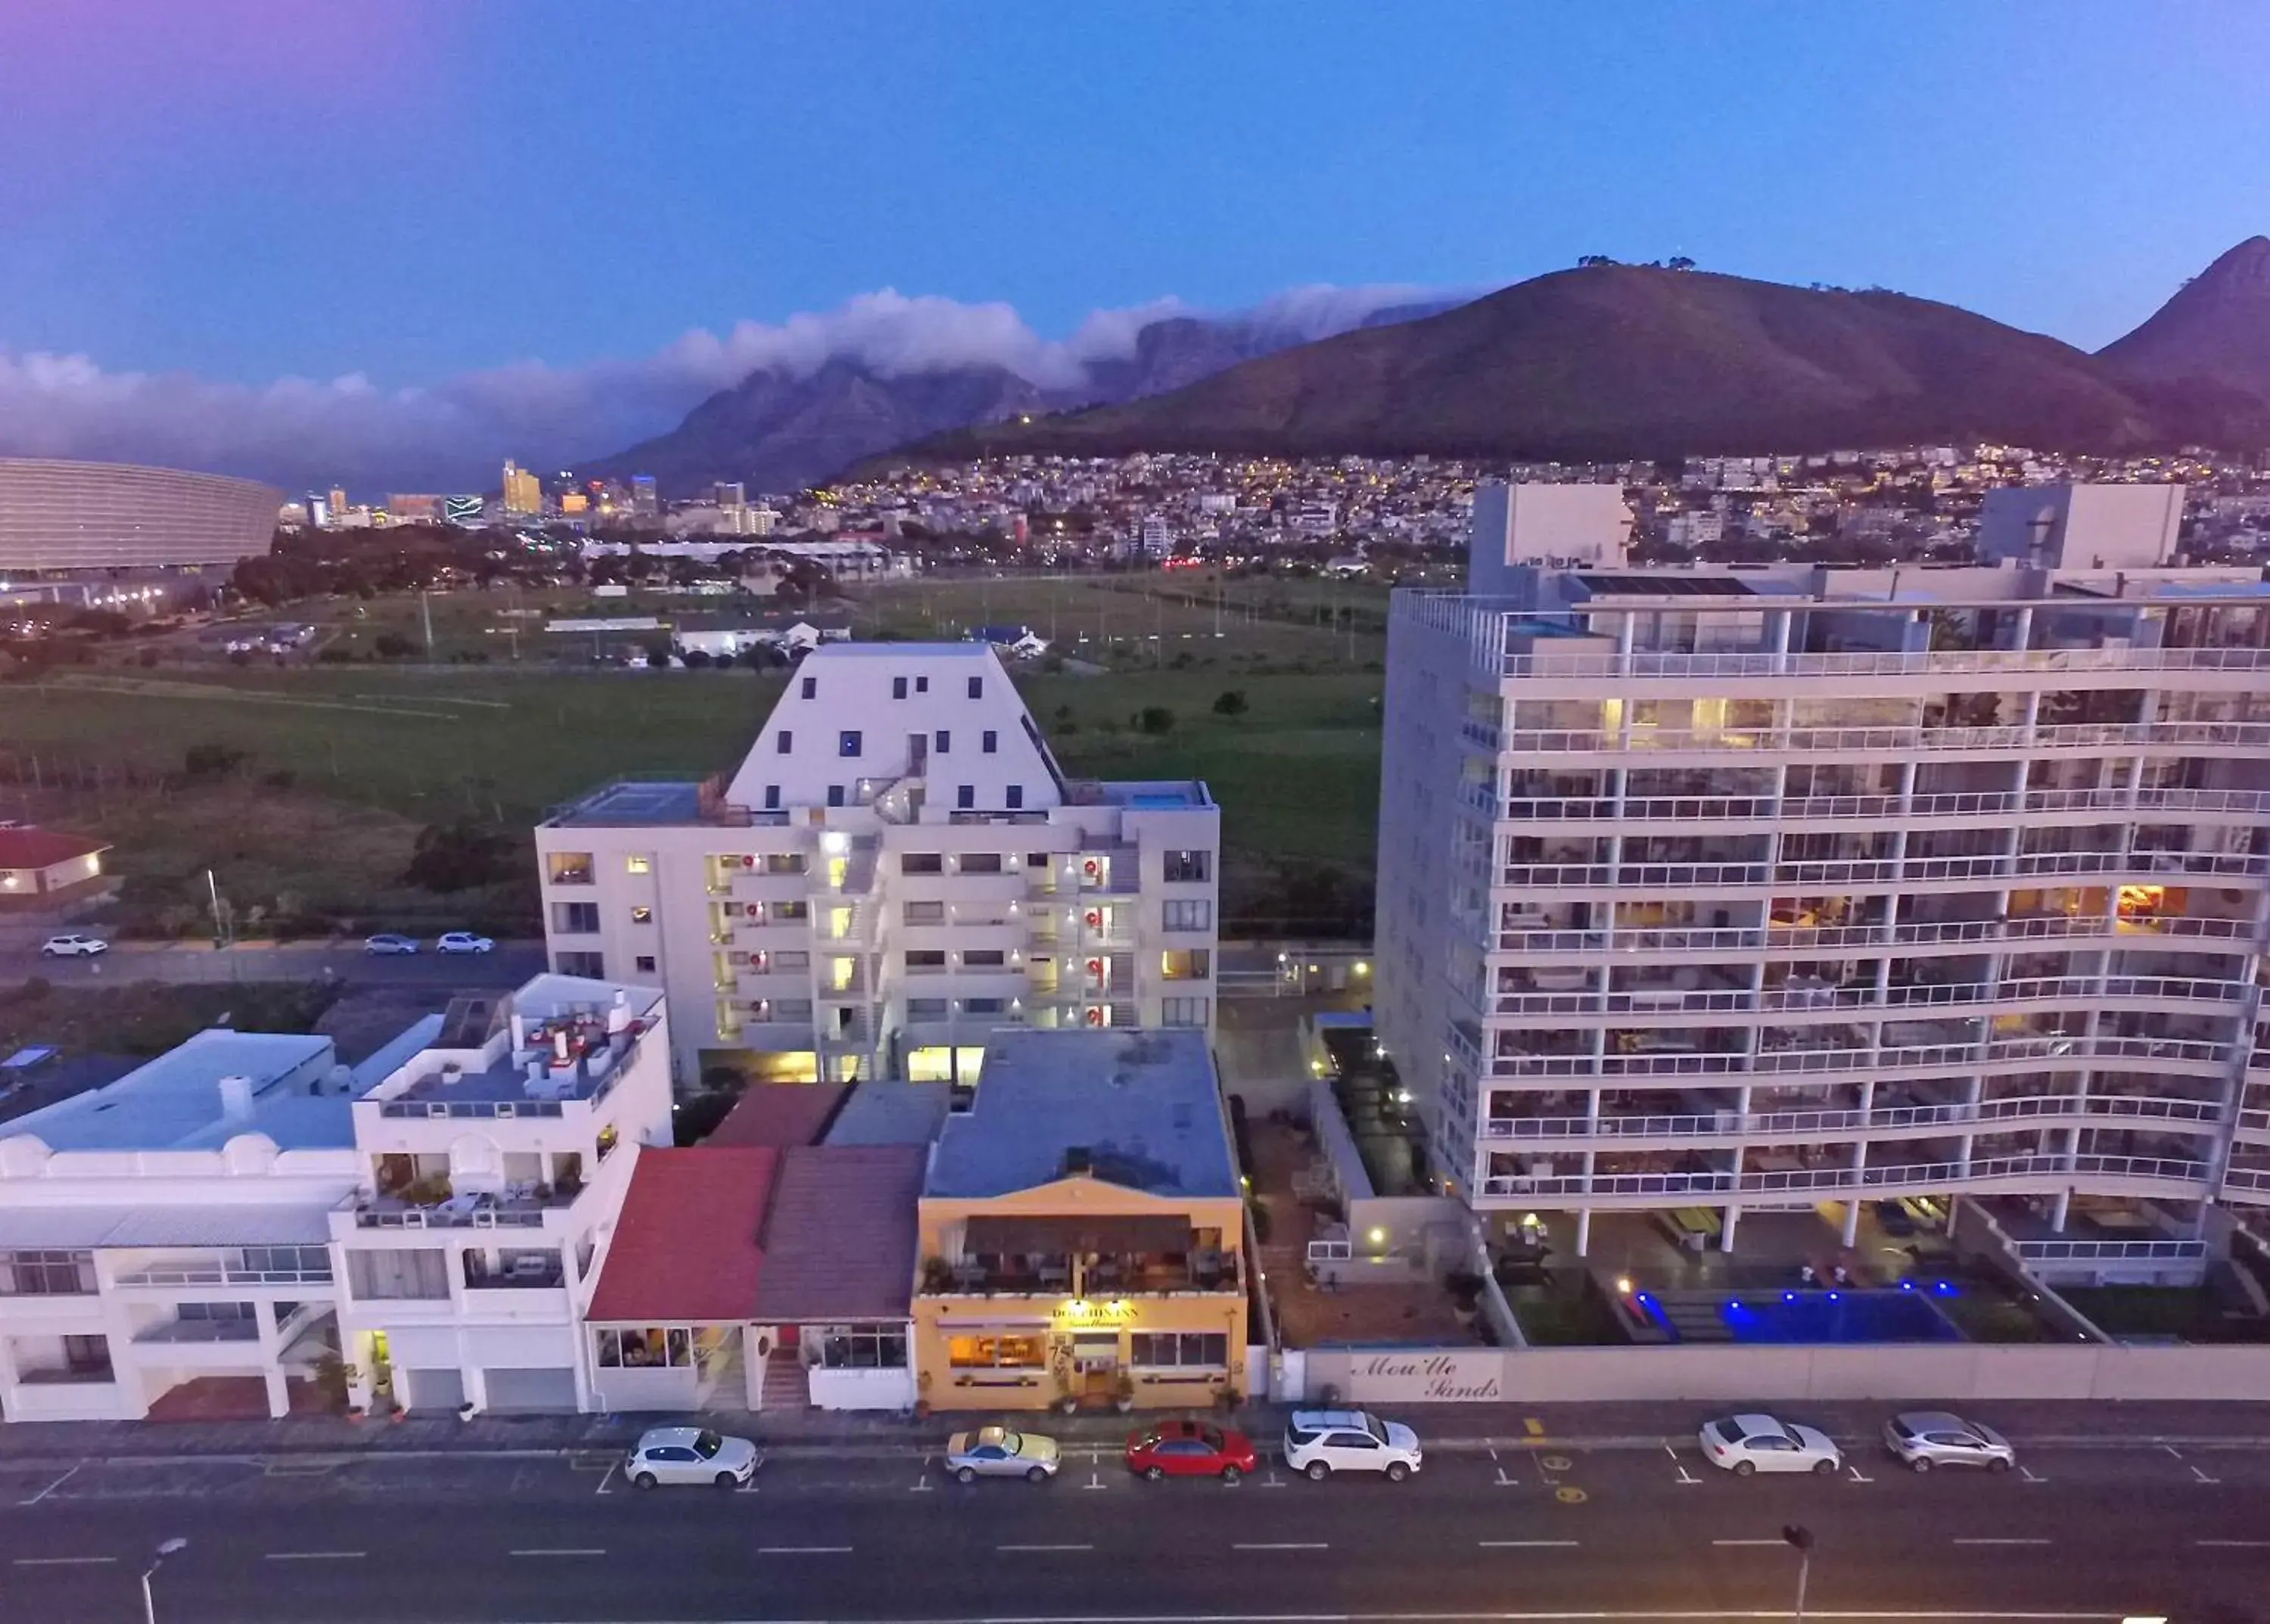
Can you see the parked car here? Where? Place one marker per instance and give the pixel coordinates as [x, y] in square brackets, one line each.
[387, 942]
[999, 1452]
[1894, 1219]
[464, 941]
[1927, 1438]
[73, 945]
[690, 1455]
[1189, 1449]
[1744, 1445]
[1323, 1442]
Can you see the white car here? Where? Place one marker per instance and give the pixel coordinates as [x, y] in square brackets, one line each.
[1743, 1444]
[1927, 1438]
[73, 946]
[690, 1455]
[387, 943]
[464, 941]
[1320, 1443]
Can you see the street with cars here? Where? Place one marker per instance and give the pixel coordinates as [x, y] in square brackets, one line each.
[426, 962]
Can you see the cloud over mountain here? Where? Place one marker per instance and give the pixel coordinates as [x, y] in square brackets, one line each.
[452, 435]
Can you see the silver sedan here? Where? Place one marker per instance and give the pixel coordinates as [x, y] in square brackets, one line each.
[999, 1452]
[1926, 1438]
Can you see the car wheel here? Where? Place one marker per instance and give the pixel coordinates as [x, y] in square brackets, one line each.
[49, 952]
[1997, 1465]
[1231, 1474]
[1038, 1474]
[1919, 1463]
[646, 1479]
[1318, 1472]
[1746, 1468]
[965, 1474]
[1397, 1472]
[727, 1480]
[1155, 1472]
[1824, 1468]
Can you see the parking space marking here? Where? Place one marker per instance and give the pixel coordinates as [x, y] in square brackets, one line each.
[1534, 1427]
[1685, 1478]
[52, 1487]
[2027, 1473]
[1857, 1477]
[1284, 1544]
[561, 1550]
[1749, 1542]
[2201, 1476]
[1981, 1539]
[612, 1466]
[61, 1561]
[805, 1550]
[313, 1556]
[2204, 1544]
[1569, 1495]
[1035, 1547]
[1525, 1545]
[1096, 1481]
[924, 1482]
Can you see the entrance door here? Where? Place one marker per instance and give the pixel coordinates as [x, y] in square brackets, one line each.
[1095, 1363]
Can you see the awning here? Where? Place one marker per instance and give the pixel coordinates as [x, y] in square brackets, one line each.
[1109, 1234]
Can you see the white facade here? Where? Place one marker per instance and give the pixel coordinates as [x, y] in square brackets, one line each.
[898, 867]
[1784, 888]
[245, 1207]
[2082, 527]
[1567, 526]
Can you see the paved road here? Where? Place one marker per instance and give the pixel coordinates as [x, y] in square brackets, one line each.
[875, 1534]
[512, 963]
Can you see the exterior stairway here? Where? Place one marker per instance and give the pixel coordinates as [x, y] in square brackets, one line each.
[787, 1388]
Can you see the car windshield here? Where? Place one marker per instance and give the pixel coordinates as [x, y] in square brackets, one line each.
[1377, 1428]
[1013, 1443]
[1212, 1439]
[706, 1444]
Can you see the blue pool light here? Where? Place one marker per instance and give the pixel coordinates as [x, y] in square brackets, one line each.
[1835, 1297]
[1907, 1284]
[1789, 1296]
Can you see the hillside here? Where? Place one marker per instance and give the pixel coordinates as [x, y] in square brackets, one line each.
[1628, 361]
[2214, 331]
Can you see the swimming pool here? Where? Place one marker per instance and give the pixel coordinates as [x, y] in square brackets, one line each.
[1907, 1315]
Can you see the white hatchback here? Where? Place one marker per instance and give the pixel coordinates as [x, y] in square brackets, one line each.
[690, 1455]
[1320, 1443]
[1743, 1444]
[73, 946]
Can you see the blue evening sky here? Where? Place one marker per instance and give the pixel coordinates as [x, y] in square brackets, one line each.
[411, 188]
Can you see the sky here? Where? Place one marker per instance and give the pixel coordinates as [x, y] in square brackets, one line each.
[400, 240]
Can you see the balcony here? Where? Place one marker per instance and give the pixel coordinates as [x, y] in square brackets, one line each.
[522, 1206]
[2041, 1171]
[1645, 664]
[1121, 1275]
[185, 1328]
[1874, 810]
[1881, 742]
[1729, 1126]
[518, 1271]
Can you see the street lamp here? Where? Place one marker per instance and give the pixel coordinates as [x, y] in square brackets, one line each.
[171, 1547]
[1800, 1540]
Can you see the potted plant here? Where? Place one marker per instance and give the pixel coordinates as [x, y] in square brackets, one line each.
[1123, 1393]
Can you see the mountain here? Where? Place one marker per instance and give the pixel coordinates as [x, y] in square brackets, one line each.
[2215, 331]
[777, 431]
[1626, 361]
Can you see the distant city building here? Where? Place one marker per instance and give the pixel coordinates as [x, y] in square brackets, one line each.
[645, 501]
[464, 512]
[523, 491]
[68, 516]
[413, 509]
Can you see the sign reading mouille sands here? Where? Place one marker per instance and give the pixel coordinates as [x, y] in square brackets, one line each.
[1421, 1378]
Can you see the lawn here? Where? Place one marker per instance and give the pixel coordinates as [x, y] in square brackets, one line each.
[149, 1018]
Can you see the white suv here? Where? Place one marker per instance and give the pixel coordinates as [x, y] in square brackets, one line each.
[1323, 1442]
[73, 946]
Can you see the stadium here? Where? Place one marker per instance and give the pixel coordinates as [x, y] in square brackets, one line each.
[59, 515]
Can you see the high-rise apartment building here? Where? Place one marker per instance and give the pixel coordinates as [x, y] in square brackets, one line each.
[1709, 892]
[523, 491]
[898, 868]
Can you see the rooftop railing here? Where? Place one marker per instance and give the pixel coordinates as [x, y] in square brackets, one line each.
[1883, 740]
[1766, 1124]
[1874, 808]
[1644, 664]
[1921, 1175]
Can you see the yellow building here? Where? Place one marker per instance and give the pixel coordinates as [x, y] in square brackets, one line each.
[1082, 1230]
[523, 491]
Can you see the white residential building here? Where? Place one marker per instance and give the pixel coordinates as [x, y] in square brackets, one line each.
[897, 868]
[201, 1235]
[1730, 890]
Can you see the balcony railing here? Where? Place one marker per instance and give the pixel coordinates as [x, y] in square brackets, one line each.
[1880, 741]
[1872, 809]
[200, 1330]
[1768, 1124]
[2107, 1251]
[1822, 874]
[192, 1275]
[1935, 1056]
[1924, 1175]
[1889, 662]
[1671, 1001]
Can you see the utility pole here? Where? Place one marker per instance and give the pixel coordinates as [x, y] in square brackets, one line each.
[171, 1547]
[425, 609]
[212, 891]
[1801, 1539]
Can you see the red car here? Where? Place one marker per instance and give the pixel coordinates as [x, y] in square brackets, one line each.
[1189, 1449]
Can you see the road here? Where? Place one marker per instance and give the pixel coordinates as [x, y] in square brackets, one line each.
[512, 963]
[874, 1533]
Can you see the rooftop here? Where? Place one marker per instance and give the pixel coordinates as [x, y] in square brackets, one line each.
[687, 1247]
[44, 847]
[839, 1241]
[293, 1091]
[889, 1113]
[633, 802]
[780, 1115]
[1140, 1110]
[559, 1037]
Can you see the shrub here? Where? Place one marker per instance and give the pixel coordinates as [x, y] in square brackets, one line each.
[1232, 703]
[1155, 719]
[459, 855]
[393, 646]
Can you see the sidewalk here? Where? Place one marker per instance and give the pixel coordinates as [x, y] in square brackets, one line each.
[1451, 1427]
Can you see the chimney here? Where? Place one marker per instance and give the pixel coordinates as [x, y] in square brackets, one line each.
[236, 1099]
[519, 1032]
[619, 1013]
[1078, 1158]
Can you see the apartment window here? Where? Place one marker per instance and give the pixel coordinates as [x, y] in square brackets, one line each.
[783, 862]
[1183, 1012]
[47, 1274]
[784, 742]
[984, 958]
[575, 918]
[1189, 867]
[568, 868]
[924, 913]
[835, 795]
[810, 688]
[859, 1347]
[1196, 914]
[981, 1006]
[792, 1009]
[1036, 859]
[86, 1358]
[965, 797]
[641, 915]
[922, 685]
[977, 687]
[996, 1353]
[943, 742]
[980, 863]
[925, 1009]
[925, 961]
[988, 742]
[590, 966]
[793, 910]
[921, 863]
[295, 1263]
[1208, 1350]
[792, 959]
[771, 797]
[1016, 797]
[658, 1346]
[1186, 963]
[644, 963]
[898, 687]
[638, 863]
[847, 742]
[422, 1274]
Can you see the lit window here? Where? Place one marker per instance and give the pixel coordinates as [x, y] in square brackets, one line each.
[638, 863]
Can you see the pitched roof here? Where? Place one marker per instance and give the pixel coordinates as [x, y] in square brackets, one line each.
[686, 1247]
[840, 1244]
[44, 847]
[780, 1115]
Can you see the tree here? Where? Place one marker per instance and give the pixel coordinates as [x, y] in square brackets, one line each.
[1155, 719]
[459, 855]
[1232, 703]
[393, 646]
[1678, 261]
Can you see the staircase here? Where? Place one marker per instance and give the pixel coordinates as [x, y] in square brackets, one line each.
[787, 1388]
[1695, 1318]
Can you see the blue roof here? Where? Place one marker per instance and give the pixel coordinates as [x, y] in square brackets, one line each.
[1143, 1106]
[890, 1113]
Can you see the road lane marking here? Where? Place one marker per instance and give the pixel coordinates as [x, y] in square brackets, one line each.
[314, 1556]
[1035, 1547]
[2202, 1476]
[61, 1561]
[1982, 1540]
[1857, 1477]
[803, 1550]
[2027, 1473]
[2208, 1545]
[612, 1467]
[1525, 1545]
[1284, 1544]
[1534, 1427]
[1749, 1542]
[561, 1550]
[51, 1488]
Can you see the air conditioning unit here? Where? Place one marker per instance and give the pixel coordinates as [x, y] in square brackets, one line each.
[437, 1107]
[413, 1220]
[506, 1109]
[485, 1217]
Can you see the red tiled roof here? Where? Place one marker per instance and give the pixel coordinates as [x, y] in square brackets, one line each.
[686, 1247]
[44, 847]
[780, 1115]
[840, 1244]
